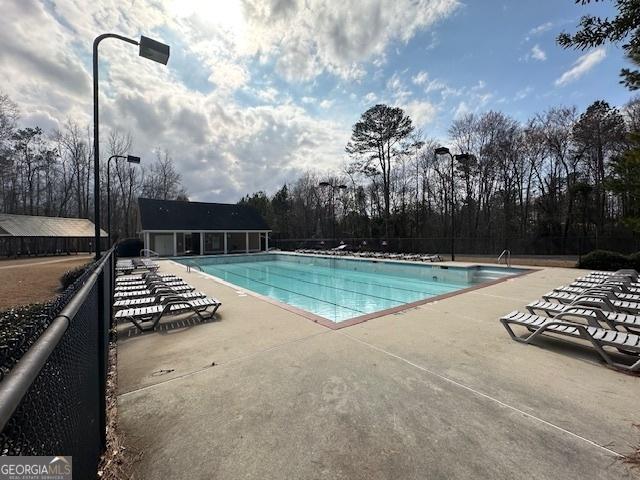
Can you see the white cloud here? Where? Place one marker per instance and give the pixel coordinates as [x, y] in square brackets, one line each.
[421, 112]
[397, 88]
[581, 66]
[443, 88]
[308, 38]
[268, 94]
[544, 27]
[461, 110]
[370, 97]
[481, 85]
[523, 93]
[420, 78]
[538, 54]
[212, 107]
[229, 76]
[222, 148]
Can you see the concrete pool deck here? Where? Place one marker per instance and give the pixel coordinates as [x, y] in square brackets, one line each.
[438, 391]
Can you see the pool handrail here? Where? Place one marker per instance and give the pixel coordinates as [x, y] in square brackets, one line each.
[191, 263]
[507, 256]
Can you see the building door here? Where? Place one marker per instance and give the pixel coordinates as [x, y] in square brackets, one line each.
[162, 244]
[195, 243]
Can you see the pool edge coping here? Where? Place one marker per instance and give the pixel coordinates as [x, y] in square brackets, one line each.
[325, 322]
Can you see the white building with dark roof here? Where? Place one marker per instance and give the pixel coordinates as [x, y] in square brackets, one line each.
[174, 228]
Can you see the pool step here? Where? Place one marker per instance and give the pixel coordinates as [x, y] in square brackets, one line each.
[488, 278]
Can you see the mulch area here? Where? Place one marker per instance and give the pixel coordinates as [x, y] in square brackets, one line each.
[116, 462]
[24, 282]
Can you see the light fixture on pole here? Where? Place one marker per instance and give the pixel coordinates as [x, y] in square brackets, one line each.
[130, 159]
[150, 49]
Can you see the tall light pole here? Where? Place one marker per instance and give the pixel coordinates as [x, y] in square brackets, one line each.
[445, 151]
[333, 188]
[459, 157]
[151, 49]
[128, 158]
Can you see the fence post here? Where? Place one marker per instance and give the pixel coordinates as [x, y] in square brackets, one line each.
[102, 363]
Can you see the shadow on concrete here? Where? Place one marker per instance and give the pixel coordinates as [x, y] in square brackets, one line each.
[173, 325]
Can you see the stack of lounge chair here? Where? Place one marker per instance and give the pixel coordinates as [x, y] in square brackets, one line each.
[129, 265]
[145, 298]
[602, 308]
[414, 257]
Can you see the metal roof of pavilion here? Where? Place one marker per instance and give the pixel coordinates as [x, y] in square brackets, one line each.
[37, 226]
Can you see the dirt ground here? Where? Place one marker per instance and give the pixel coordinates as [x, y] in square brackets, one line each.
[33, 280]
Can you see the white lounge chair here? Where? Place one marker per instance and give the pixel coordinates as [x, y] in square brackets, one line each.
[143, 276]
[610, 290]
[147, 318]
[149, 291]
[598, 337]
[151, 300]
[594, 300]
[431, 258]
[570, 294]
[630, 273]
[624, 287]
[138, 286]
[150, 281]
[605, 318]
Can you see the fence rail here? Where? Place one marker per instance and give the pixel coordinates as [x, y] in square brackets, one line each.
[53, 401]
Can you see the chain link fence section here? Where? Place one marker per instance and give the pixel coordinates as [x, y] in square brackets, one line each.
[21, 327]
[60, 408]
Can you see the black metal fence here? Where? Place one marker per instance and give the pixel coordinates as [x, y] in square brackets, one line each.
[574, 246]
[53, 401]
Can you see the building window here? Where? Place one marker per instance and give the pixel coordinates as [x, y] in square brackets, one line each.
[213, 243]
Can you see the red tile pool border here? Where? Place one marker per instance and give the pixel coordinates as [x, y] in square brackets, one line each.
[370, 316]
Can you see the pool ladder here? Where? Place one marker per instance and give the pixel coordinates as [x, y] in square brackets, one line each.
[194, 265]
[506, 254]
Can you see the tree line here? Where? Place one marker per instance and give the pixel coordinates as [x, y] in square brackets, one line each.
[560, 175]
[51, 173]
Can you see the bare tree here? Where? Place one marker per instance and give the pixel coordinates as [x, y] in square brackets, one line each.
[162, 181]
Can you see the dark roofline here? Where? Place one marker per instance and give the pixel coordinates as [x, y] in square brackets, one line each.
[179, 215]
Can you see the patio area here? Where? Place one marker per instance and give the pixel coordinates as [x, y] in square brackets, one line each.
[439, 391]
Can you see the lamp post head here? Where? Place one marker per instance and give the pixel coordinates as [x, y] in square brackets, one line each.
[441, 151]
[133, 159]
[324, 184]
[342, 187]
[154, 50]
[464, 156]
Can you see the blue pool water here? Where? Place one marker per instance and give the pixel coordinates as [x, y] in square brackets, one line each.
[340, 289]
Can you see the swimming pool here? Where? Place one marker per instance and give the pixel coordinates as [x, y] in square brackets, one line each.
[340, 289]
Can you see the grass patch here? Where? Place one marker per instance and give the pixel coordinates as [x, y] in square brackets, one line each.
[20, 327]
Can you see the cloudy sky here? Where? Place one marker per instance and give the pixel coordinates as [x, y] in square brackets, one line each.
[257, 91]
